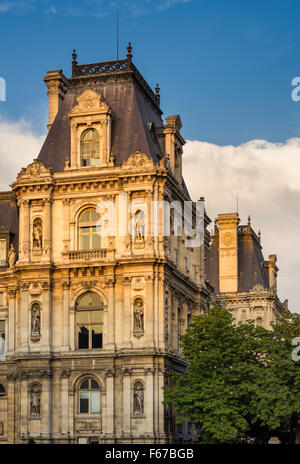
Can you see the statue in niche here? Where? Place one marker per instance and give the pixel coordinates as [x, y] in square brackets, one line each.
[138, 311]
[35, 401]
[138, 398]
[37, 234]
[35, 321]
[139, 226]
[11, 256]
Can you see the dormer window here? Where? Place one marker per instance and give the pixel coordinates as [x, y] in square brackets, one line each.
[90, 148]
[3, 252]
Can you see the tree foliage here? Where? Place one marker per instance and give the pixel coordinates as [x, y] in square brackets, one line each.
[240, 382]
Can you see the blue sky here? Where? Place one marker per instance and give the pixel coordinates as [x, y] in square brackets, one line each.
[225, 65]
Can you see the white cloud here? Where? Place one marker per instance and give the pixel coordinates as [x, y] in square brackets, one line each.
[267, 178]
[18, 147]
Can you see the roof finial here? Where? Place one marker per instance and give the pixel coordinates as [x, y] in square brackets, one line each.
[249, 222]
[129, 54]
[74, 62]
[157, 96]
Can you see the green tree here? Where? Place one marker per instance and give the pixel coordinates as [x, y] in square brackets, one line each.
[240, 382]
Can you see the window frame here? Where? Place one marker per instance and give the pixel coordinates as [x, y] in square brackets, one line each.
[5, 236]
[89, 324]
[90, 141]
[89, 391]
[3, 332]
[88, 225]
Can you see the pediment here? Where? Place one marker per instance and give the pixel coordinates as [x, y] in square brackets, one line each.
[33, 170]
[257, 288]
[90, 102]
[138, 162]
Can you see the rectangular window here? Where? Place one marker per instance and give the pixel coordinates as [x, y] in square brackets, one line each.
[2, 339]
[2, 252]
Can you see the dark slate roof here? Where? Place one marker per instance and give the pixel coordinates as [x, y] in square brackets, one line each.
[9, 216]
[133, 110]
[250, 261]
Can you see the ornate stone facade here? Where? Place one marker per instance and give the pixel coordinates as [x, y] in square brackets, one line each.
[93, 318]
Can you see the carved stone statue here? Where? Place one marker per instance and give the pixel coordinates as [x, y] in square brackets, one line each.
[138, 311]
[37, 234]
[11, 256]
[138, 398]
[139, 226]
[35, 321]
[35, 401]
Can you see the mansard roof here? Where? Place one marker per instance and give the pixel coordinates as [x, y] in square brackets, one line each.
[9, 217]
[251, 269]
[134, 105]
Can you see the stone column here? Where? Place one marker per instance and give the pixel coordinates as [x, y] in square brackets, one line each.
[110, 339]
[149, 315]
[66, 209]
[149, 399]
[66, 316]
[127, 310]
[46, 332]
[110, 402]
[126, 401]
[46, 403]
[65, 401]
[24, 241]
[47, 230]
[11, 397]
[12, 292]
[72, 328]
[25, 316]
[161, 408]
[24, 404]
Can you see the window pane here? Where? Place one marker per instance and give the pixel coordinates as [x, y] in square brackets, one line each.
[2, 252]
[83, 338]
[83, 403]
[96, 316]
[82, 317]
[96, 241]
[97, 336]
[94, 385]
[84, 385]
[84, 242]
[2, 344]
[95, 402]
[2, 390]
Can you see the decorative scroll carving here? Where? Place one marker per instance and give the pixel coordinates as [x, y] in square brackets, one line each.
[138, 161]
[90, 101]
[138, 313]
[138, 398]
[34, 169]
[257, 288]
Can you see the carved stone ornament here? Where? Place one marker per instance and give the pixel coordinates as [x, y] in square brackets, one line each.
[228, 238]
[138, 317]
[138, 398]
[11, 256]
[35, 401]
[138, 283]
[90, 102]
[35, 289]
[35, 169]
[257, 288]
[138, 161]
[139, 226]
[35, 322]
[37, 235]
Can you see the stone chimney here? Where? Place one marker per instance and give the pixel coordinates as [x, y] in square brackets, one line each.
[173, 145]
[273, 272]
[228, 252]
[57, 85]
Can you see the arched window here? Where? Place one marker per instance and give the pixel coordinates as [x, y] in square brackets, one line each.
[89, 321]
[89, 236]
[90, 148]
[89, 397]
[2, 390]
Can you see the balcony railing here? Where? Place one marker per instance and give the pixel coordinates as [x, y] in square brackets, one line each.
[88, 255]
